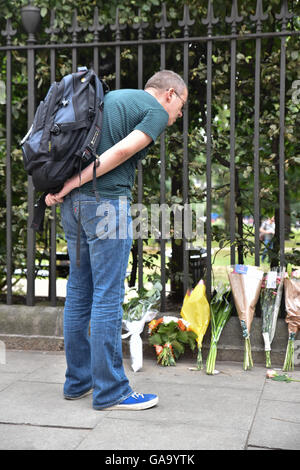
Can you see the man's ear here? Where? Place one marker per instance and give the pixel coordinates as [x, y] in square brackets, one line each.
[169, 93]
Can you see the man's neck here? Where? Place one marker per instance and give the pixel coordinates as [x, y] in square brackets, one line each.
[154, 92]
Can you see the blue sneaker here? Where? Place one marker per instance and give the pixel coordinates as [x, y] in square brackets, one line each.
[136, 401]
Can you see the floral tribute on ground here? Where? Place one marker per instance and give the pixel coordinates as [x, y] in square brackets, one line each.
[195, 310]
[137, 311]
[270, 300]
[245, 284]
[272, 374]
[170, 335]
[292, 307]
[220, 311]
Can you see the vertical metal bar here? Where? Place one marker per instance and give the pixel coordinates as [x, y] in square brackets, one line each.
[140, 170]
[185, 168]
[9, 32]
[209, 21]
[208, 168]
[96, 28]
[117, 27]
[30, 192]
[186, 22]
[281, 152]
[9, 266]
[284, 16]
[140, 26]
[162, 25]
[233, 19]
[52, 261]
[259, 17]
[163, 191]
[118, 74]
[232, 150]
[74, 29]
[256, 149]
[74, 59]
[96, 59]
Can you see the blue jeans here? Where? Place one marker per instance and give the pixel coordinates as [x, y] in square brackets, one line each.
[268, 246]
[95, 294]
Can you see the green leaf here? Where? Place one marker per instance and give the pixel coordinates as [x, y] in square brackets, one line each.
[178, 348]
[281, 378]
[155, 339]
[44, 11]
[2, 92]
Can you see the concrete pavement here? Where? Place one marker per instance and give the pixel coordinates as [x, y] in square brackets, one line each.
[234, 410]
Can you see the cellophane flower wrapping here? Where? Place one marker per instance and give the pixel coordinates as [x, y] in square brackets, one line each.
[220, 311]
[245, 282]
[141, 309]
[292, 307]
[170, 335]
[195, 310]
[270, 300]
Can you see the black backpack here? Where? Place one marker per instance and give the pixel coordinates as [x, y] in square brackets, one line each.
[64, 135]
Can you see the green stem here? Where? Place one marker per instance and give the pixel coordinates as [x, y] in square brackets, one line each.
[248, 362]
[199, 359]
[211, 358]
[268, 359]
[289, 356]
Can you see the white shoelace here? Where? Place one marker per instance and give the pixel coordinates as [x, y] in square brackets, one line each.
[136, 395]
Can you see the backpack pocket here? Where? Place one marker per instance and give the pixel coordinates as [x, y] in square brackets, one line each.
[66, 144]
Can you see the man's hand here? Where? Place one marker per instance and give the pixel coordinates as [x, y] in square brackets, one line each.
[69, 185]
[52, 199]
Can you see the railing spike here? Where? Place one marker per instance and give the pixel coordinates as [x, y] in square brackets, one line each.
[74, 29]
[52, 30]
[117, 27]
[186, 21]
[140, 25]
[96, 26]
[259, 15]
[284, 14]
[9, 31]
[234, 18]
[163, 23]
[210, 19]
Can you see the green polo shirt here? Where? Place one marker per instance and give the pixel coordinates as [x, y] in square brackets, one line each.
[124, 111]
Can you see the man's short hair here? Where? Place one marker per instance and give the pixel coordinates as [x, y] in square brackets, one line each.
[165, 79]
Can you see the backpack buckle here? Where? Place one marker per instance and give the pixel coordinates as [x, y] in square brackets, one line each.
[56, 130]
[86, 155]
[91, 115]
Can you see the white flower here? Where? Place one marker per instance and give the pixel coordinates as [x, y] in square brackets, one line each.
[296, 274]
[168, 319]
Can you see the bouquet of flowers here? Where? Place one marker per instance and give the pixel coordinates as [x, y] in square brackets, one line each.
[195, 310]
[272, 374]
[292, 306]
[169, 335]
[139, 310]
[220, 311]
[245, 284]
[271, 294]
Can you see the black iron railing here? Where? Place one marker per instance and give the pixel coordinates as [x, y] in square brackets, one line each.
[283, 31]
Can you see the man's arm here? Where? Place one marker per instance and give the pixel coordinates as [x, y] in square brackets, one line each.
[113, 157]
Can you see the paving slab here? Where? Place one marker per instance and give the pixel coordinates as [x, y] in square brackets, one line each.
[277, 425]
[131, 434]
[233, 410]
[43, 404]
[26, 437]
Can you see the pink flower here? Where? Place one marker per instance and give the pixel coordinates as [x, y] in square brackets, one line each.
[271, 373]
